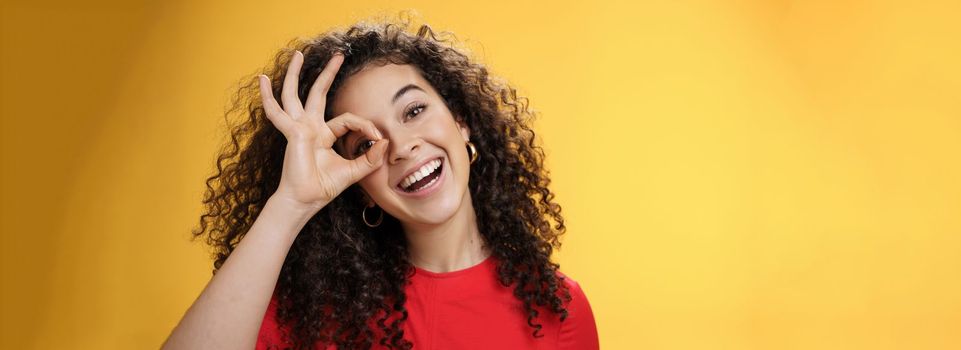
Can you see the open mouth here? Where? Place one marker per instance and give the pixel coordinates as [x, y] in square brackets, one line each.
[419, 180]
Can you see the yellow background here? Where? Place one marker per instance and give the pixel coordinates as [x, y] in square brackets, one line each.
[734, 174]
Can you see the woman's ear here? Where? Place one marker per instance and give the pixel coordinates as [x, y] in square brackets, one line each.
[464, 130]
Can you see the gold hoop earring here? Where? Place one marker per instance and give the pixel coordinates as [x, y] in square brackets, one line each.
[471, 151]
[363, 215]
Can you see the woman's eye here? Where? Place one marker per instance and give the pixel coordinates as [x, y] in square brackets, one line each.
[362, 147]
[418, 108]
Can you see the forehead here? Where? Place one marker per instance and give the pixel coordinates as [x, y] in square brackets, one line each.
[368, 91]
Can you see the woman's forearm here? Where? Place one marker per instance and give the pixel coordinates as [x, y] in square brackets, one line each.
[229, 311]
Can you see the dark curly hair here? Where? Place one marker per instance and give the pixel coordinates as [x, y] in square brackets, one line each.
[339, 273]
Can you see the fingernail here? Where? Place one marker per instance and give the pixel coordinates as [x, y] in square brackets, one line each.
[380, 155]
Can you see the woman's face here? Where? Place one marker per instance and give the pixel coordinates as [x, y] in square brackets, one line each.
[425, 143]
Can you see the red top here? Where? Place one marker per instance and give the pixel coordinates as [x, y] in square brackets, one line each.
[470, 309]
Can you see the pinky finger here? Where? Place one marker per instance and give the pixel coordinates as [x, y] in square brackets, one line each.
[273, 110]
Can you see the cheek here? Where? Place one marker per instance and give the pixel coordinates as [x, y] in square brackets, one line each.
[375, 182]
[444, 130]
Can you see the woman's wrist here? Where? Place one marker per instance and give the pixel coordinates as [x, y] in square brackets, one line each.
[291, 209]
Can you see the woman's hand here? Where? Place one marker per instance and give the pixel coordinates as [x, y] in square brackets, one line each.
[313, 173]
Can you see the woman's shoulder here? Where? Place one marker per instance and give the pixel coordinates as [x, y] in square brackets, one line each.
[577, 292]
[578, 330]
[273, 334]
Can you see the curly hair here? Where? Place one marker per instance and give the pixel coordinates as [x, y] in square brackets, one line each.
[339, 273]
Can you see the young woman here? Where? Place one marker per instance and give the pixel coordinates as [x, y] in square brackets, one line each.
[383, 192]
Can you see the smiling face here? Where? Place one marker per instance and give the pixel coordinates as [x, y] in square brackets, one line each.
[424, 178]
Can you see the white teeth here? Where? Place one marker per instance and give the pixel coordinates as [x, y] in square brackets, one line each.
[420, 173]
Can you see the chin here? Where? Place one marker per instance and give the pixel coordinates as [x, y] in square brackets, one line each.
[439, 211]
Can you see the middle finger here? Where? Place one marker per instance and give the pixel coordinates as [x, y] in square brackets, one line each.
[289, 95]
[317, 98]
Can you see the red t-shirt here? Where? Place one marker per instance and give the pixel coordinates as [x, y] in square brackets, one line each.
[470, 309]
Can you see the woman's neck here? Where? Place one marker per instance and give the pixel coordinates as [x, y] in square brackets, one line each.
[453, 245]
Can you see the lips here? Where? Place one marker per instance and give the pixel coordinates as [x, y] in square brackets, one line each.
[426, 182]
[416, 168]
[428, 185]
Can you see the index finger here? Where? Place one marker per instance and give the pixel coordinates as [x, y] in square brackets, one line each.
[347, 122]
[317, 96]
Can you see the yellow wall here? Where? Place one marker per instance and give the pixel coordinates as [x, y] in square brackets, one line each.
[734, 174]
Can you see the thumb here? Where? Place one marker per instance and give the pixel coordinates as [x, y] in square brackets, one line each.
[372, 159]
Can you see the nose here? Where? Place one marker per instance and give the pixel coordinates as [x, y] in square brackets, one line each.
[403, 147]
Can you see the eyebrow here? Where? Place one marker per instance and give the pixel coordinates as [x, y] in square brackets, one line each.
[404, 90]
